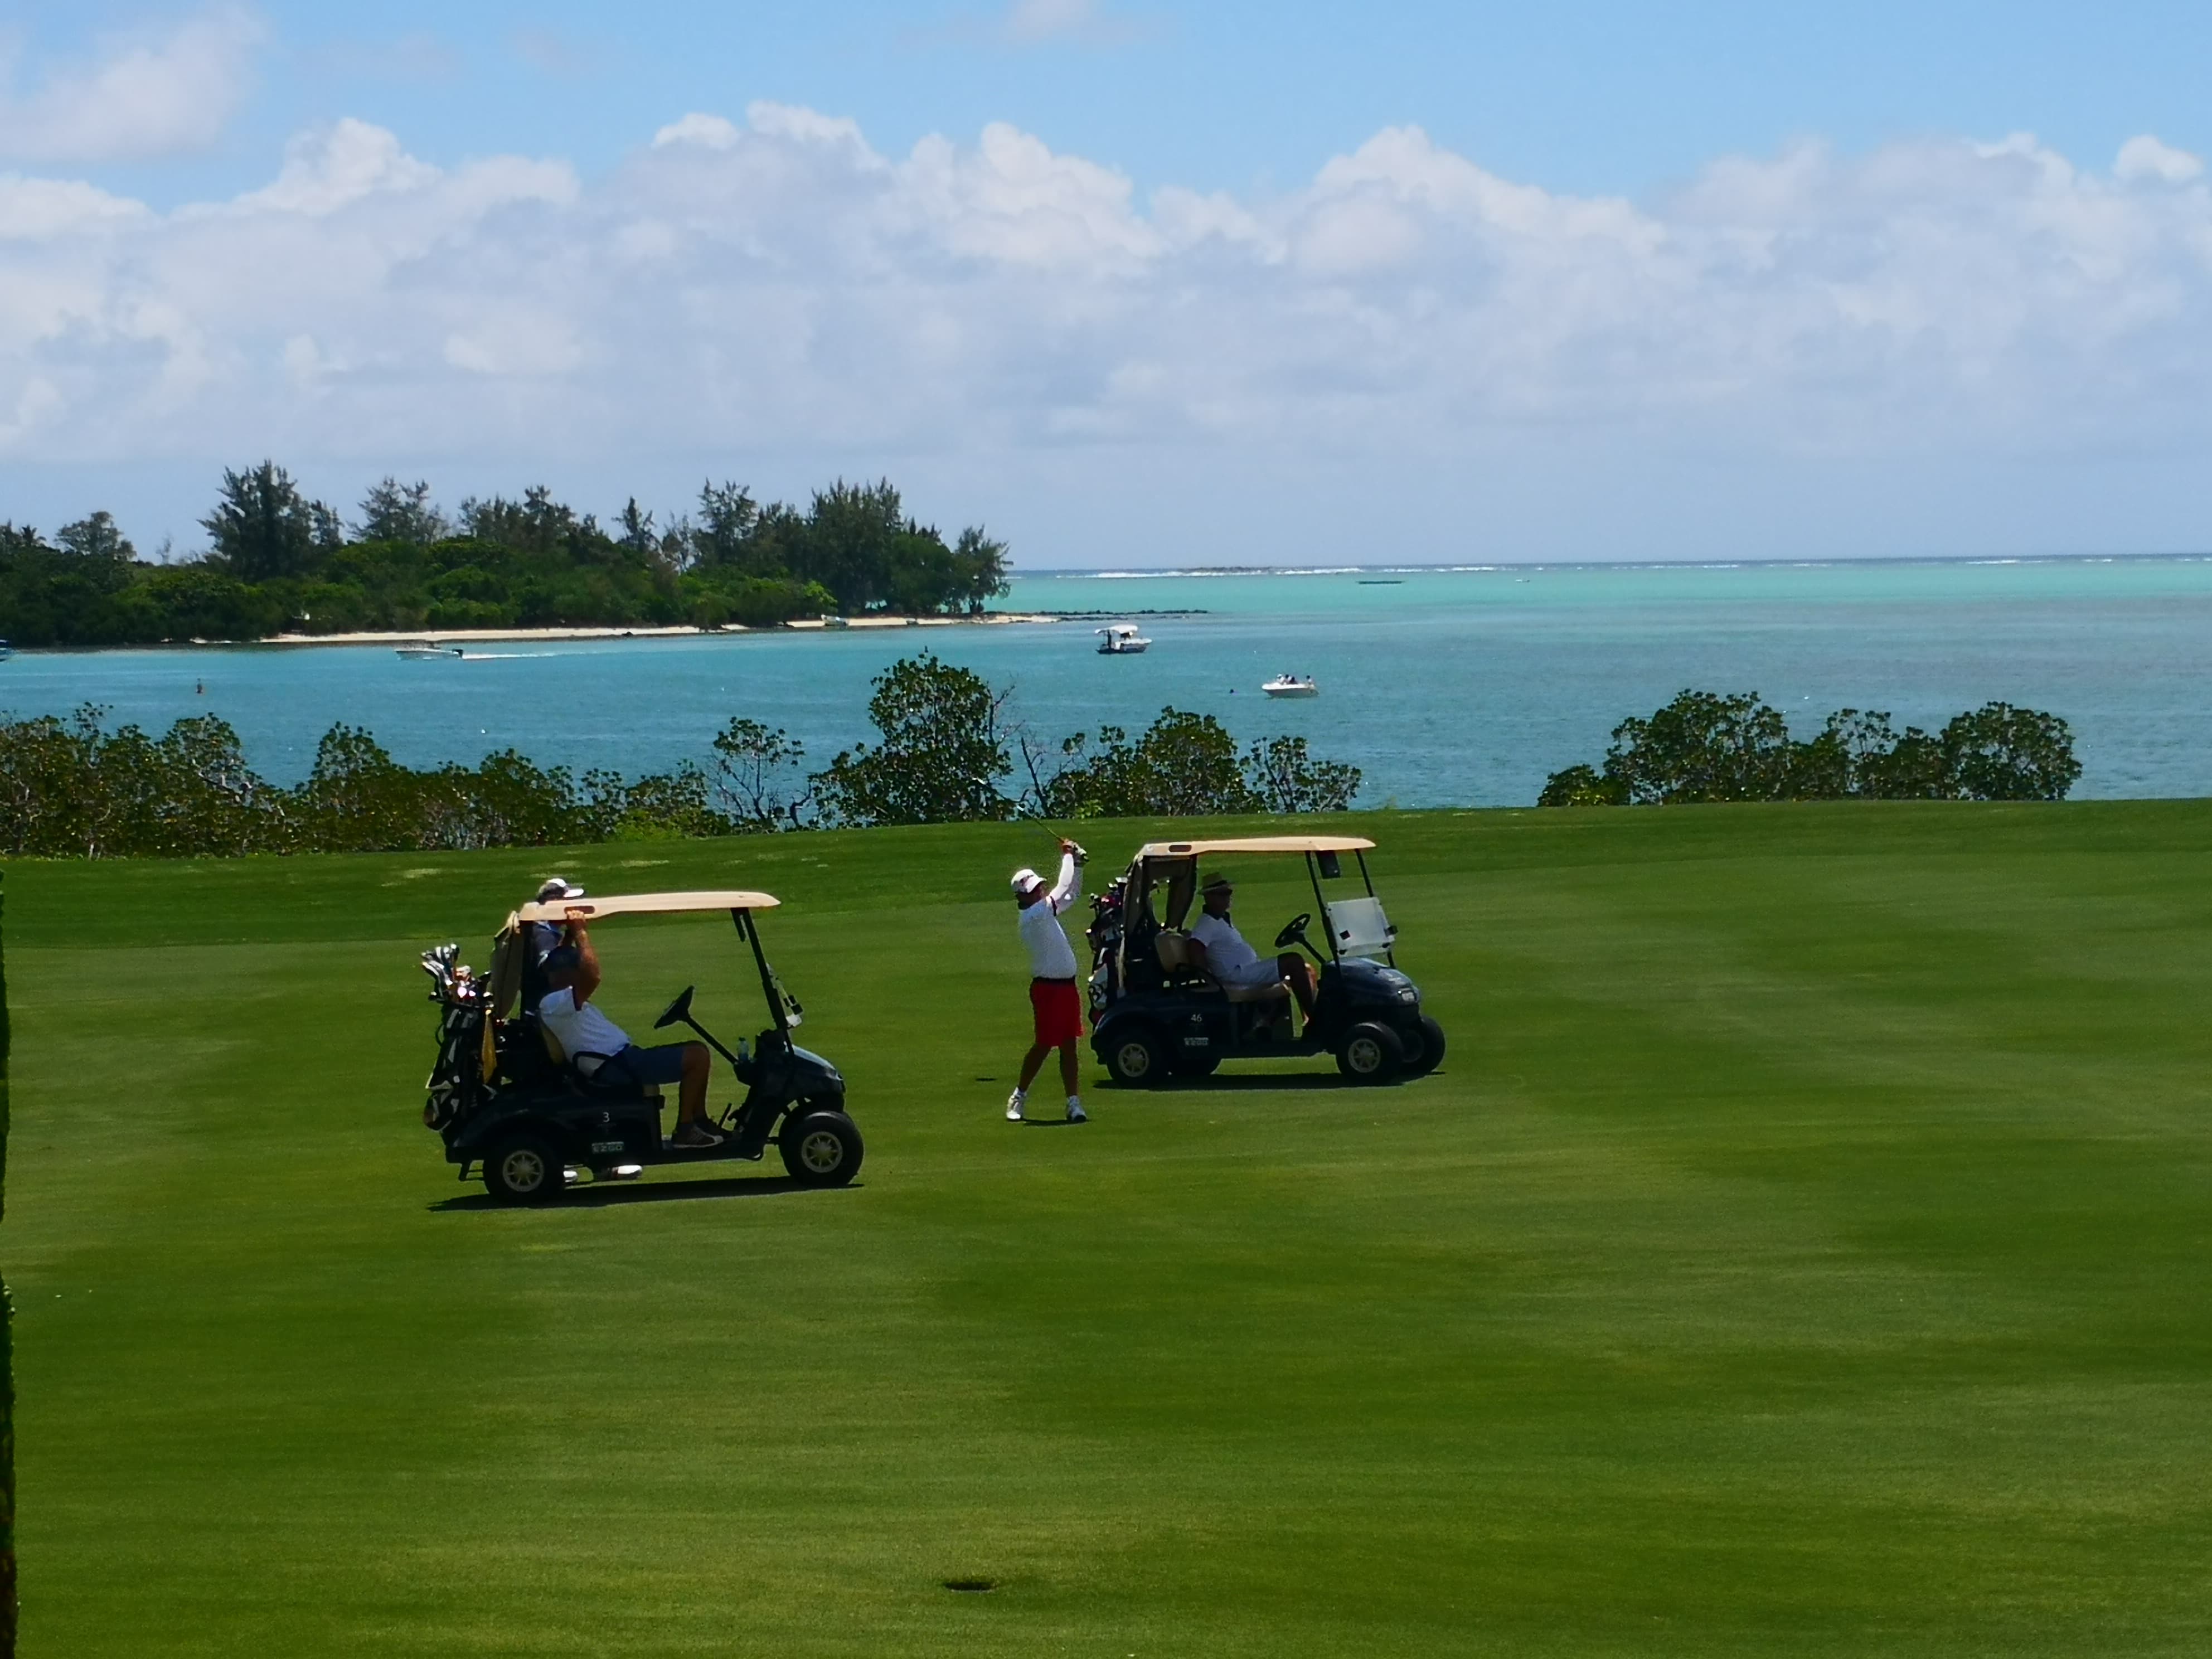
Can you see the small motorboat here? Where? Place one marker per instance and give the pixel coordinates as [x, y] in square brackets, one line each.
[425, 648]
[1289, 686]
[1121, 640]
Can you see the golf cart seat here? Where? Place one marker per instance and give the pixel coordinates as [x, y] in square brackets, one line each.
[598, 1080]
[1174, 948]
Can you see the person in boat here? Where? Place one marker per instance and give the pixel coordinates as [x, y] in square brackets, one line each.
[596, 1045]
[1222, 951]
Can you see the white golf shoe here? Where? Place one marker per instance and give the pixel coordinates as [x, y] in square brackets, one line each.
[1075, 1113]
[1014, 1107]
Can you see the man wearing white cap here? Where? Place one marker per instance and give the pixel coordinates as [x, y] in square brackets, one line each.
[1054, 1005]
[541, 938]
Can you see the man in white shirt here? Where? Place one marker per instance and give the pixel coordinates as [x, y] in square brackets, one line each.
[595, 1043]
[1220, 950]
[1055, 1010]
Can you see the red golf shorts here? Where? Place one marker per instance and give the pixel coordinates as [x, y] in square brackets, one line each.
[1058, 1012]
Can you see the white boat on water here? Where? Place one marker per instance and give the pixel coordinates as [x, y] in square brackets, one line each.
[423, 648]
[1289, 686]
[1121, 640]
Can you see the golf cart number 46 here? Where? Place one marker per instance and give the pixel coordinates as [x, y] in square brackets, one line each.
[1157, 1015]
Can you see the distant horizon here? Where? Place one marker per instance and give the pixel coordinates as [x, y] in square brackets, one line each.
[1136, 572]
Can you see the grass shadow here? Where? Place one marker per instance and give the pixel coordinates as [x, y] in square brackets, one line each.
[596, 1195]
[1232, 1082]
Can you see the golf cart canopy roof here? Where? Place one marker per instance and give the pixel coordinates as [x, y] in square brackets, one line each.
[1195, 849]
[645, 904]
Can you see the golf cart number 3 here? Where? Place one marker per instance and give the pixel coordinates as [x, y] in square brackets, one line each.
[606, 1145]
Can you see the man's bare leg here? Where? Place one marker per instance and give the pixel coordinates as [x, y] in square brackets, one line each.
[691, 1098]
[1299, 972]
[1033, 1062]
[1068, 1075]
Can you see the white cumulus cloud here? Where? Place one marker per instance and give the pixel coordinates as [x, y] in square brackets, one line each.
[777, 283]
[140, 96]
[2144, 157]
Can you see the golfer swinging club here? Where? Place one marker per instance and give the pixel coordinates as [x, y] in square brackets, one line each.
[1053, 1001]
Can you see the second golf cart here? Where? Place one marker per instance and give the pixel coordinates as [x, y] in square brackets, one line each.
[509, 1104]
[1155, 1015]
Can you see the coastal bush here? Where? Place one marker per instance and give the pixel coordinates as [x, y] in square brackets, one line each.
[756, 778]
[1288, 779]
[70, 788]
[277, 560]
[942, 753]
[1706, 746]
[1183, 765]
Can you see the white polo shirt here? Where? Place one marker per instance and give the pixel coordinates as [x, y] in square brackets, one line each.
[582, 1030]
[1228, 958]
[1051, 957]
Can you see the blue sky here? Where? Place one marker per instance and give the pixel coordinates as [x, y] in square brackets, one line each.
[1581, 97]
[1467, 281]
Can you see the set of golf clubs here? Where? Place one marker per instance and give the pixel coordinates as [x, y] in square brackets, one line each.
[453, 982]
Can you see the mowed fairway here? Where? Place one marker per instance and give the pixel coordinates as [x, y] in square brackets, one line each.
[1807, 1248]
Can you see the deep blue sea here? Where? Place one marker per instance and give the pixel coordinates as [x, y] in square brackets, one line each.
[1449, 687]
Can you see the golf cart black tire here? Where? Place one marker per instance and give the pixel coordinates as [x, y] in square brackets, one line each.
[1137, 1058]
[509, 1167]
[1371, 1053]
[1432, 1049]
[821, 1148]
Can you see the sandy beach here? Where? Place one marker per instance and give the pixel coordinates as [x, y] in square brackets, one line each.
[493, 635]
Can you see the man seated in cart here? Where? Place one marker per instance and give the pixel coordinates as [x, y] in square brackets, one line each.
[1217, 947]
[595, 1044]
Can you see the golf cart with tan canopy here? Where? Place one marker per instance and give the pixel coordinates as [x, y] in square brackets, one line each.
[1156, 1013]
[510, 1105]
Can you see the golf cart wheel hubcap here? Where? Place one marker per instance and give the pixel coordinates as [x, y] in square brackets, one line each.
[524, 1170]
[1367, 1054]
[822, 1151]
[1136, 1059]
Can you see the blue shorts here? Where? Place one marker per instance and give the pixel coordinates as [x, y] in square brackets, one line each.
[661, 1065]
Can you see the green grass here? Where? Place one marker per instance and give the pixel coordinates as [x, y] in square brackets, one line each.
[1807, 1248]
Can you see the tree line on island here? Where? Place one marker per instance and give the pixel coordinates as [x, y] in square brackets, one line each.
[945, 751]
[278, 561]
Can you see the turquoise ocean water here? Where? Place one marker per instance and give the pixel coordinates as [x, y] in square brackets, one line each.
[1461, 686]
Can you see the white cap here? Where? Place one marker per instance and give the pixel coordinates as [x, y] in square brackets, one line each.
[1025, 879]
[558, 887]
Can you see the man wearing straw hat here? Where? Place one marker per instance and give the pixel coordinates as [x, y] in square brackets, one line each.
[1222, 951]
[1055, 1009]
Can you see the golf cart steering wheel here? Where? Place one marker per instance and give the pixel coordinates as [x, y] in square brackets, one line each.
[679, 1009]
[1294, 931]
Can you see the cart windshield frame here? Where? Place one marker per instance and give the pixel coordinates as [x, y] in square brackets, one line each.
[1155, 859]
[738, 904]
